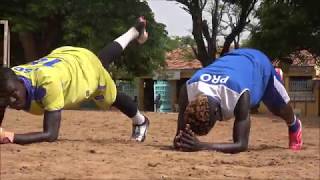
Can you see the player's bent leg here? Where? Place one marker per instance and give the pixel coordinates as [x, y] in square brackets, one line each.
[109, 53]
[113, 50]
[277, 101]
[140, 123]
[294, 126]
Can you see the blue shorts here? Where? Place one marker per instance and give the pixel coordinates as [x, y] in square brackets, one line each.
[275, 95]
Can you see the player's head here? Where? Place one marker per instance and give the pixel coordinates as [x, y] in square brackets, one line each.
[12, 91]
[201, 114]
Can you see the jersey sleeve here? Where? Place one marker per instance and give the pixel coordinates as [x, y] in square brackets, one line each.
[53, 99]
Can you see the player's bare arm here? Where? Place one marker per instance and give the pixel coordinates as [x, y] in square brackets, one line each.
[183, 102]
[2, 112]
[241, 129]
[51, 125]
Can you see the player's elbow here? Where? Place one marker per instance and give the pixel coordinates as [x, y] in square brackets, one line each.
[243, 147]
[240, 147]
[51, 137]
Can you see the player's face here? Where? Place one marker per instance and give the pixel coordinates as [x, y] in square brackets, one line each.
[13, 95]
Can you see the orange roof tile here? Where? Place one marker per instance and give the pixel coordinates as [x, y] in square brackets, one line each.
[303, 57]
[176, 60]
[300, 58]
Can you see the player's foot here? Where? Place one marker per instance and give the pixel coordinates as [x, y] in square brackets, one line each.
[141, 28]
[295, 139]
[139, 132]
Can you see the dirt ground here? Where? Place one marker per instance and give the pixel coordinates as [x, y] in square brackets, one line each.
[95, 145]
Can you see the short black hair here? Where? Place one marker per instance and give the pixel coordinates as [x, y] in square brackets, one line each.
[198, 115]
[6, 75]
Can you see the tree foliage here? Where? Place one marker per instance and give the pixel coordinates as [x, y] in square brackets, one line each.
[206, 31]
[286, 26]
[181, 42]
[38, 26]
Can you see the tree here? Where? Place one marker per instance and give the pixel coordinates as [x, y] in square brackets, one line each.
[182, 42]
[206, 37]
[35, 27]
[287, 26]
[46, 24]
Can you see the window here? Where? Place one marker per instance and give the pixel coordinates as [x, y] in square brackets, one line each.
[300, 83]
[300, 88]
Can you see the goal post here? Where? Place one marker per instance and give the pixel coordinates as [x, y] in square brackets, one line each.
[6, 43]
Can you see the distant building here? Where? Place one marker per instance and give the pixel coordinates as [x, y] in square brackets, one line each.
[301, 79]
[169, 79]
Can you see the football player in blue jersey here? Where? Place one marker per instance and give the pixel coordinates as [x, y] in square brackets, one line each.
[228, 88]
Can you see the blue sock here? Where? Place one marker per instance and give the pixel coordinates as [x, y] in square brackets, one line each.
[294, 126]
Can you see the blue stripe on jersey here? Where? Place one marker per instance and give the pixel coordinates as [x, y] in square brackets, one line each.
[33, 92]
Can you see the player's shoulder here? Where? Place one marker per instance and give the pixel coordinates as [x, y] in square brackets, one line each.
[249, 52]
[246, 50]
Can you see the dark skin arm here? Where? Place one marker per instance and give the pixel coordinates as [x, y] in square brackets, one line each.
[2, 112]
[183, 102]
[241, 130]
[51, 125]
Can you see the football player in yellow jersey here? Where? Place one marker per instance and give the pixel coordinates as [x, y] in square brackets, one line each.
[63, 79]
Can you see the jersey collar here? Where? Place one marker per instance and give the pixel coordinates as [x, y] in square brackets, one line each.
[28, 86]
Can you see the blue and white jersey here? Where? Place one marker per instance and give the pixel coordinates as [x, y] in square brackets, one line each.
[231, 75]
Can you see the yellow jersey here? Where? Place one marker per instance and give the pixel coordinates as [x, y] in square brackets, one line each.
[65, 78]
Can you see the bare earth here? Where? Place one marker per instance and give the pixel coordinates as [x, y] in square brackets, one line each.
[96, 145]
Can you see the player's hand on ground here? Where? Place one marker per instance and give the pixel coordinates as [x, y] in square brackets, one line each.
[187, 141]
[176, 142]
[6, 137]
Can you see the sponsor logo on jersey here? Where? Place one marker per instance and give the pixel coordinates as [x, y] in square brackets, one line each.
[214, 79]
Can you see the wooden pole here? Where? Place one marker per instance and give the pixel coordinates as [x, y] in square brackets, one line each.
[6, 43]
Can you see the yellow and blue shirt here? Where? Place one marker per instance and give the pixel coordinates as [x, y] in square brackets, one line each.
[65, 78]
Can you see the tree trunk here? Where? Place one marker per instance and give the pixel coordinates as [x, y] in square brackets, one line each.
[246, 8]
[202, 54]
[28, 43]
[195, 9]
[50, 35]
[200, 28]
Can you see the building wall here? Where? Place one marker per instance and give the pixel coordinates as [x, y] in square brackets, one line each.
[184, 74]
[174, 98]
[302, 107]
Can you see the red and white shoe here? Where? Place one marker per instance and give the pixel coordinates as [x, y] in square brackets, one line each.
[295, 139]
[141, 28]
